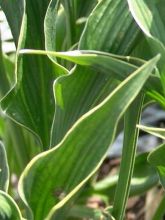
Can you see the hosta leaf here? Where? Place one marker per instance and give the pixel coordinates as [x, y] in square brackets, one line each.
[60, 167]
[8, 208]
[31, 101]
[99, 34]
[118, 66]
[71, 17]
[101, 61]
[157, 159]
[111, 64]
[159, 132]
[50, 27]
[150, 18]
[144, 177]
[4, 169]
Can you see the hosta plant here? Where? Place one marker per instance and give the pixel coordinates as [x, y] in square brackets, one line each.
[84, 70]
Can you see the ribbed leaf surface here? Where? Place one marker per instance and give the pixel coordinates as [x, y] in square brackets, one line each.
[106, 37]
[90, 137]
[31, 101]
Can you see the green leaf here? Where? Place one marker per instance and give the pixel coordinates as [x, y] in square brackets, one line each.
[131, 133]
[114, 66]
[50, 25]
[157, 159]
[57, 166]
[31, 102]
[150, 18]
[118, 66]
[100, 33]
[8, 208]
[84, 7]
[4, 169]
[144, 178]
[75, 12]
[159, 132]
[89, 213]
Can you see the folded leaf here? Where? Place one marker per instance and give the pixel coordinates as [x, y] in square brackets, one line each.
[58, 173]
[8, 208]
[4, 169]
